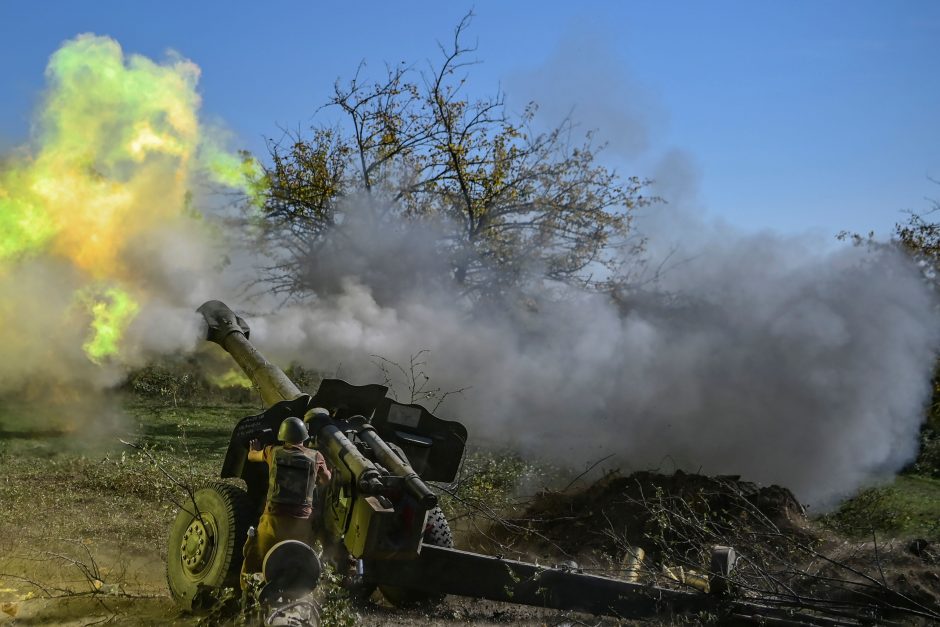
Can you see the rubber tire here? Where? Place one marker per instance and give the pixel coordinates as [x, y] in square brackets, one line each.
[230, 508]
[436, 533]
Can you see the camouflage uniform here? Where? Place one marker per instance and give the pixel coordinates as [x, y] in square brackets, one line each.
[292, 477]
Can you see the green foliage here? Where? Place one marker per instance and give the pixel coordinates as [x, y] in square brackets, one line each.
[304, 378]
[489, 477]
[172, 383]
[178, 381]
[910, 506]
[491, 484]
[928, 459]
[920, 236]
[869, 510]
[336, 606]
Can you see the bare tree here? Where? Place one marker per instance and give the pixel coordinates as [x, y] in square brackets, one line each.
[501, 196]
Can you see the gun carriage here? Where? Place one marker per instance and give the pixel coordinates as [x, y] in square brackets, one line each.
[377, 511]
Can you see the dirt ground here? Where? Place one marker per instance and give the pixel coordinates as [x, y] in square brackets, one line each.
[144, 600]
[84, 525]
[84, 521]
[140, 611]
[84, 582]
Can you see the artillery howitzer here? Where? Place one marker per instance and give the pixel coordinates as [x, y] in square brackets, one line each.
[377, 509]
[377, 505]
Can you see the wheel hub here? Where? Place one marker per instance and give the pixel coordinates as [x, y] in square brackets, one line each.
[197, 545]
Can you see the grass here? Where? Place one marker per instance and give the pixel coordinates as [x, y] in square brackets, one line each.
[908, 507]
[68, 478]
[80, 482]
[73, 481]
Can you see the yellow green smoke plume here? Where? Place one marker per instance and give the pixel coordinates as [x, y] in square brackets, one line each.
[112, 133]
[230, 379]
[115, 149]
[112, 311]
[238, 171]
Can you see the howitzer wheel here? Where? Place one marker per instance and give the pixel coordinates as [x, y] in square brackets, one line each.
[206, 542]
[436, 533]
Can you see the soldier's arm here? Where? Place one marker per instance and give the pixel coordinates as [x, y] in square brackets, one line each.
[255, 451]
[323, 471]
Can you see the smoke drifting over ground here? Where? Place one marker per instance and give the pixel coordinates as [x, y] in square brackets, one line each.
[760, 356]
[756, 355]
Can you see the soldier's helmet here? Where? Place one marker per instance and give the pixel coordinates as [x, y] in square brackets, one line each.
[316, 412]
[293, 431]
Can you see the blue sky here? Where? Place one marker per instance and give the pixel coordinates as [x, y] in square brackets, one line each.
[787, 116]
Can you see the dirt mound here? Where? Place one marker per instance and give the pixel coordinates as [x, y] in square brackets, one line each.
[787, 561]
[647, 509]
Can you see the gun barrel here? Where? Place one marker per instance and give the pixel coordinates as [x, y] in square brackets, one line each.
[231, 333]
[398, 467]
[345, 457]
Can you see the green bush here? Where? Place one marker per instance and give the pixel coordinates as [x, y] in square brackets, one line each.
[928, 460]
[176, 380]
[171, 382]
[869, 510]
[307, 380]
[491, 484]
[908, 507]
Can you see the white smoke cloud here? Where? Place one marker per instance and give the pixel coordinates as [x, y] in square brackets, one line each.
[777, 358]
[585, 78]
[761, 355]
[782, 358]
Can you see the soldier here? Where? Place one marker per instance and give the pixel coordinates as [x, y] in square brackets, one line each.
[294, 471]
